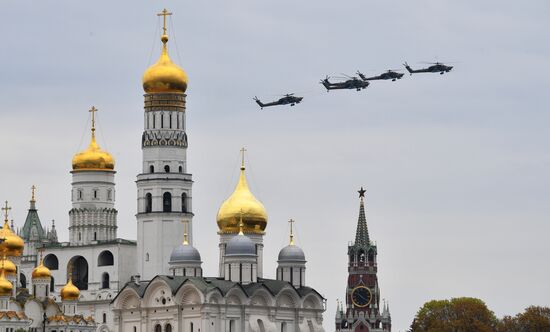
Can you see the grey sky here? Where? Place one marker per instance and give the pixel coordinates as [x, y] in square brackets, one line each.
[456, 167]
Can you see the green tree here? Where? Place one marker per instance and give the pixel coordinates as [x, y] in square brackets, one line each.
[533, 319]
[464, 314]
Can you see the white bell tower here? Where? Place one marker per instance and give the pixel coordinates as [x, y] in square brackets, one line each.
[164, 186]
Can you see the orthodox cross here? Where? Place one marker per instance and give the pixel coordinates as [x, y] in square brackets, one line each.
[6, 208]
[291, 221]
[93, 110]
[41, 251]
[243, 150]
[33, 189]
[164, 13]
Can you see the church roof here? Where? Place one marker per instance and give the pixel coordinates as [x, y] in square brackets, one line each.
[32, 222]
[206, 284]
[12, 315]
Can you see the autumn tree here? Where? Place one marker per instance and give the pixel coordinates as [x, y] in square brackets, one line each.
[533, 319]
[462, 314]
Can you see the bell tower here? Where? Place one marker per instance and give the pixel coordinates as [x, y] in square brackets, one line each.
[164, 186]
[362, 312]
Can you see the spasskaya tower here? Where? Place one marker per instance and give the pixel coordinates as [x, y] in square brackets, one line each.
[362, 311]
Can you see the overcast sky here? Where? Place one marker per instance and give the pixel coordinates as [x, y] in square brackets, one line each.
[456, 166]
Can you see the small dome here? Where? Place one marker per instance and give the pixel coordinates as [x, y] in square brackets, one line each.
[13, 245]
[292, 253]
[41, 272]
[240, 245]
[70, 292]
[6, 287]
[185, 253]
[93, 158]
[8, 267]
[164, 76]
[242, 203]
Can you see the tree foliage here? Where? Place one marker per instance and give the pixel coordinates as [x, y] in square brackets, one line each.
[533, 319]
[462, 314]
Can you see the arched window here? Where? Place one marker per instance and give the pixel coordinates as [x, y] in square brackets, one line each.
[167, 202]
[191, 326]
[105, 281]
[158, 328]
[166, 168]
[104, 318]
[183, 202]
[168, 328]
[52, 285]
[261, 325]
[180, 169]
[135, 329]
[95, 236]
[79, 193]
[232, 326]
[23, 280]
[51, 262]
[170, 120]
[105, 258]
[148, 202]
[147, 257]
[283, 327]
[151, 169]
[79, 272]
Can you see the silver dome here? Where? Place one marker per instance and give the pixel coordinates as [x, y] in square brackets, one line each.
[292, 253]
[185, 253]
[240, 245]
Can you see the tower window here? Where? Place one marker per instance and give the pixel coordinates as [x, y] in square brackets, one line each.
[180, 169]
[95, 236]
[167, 168]
[161, 120]
[95, 193]
[79, 194]
[109, 195]
[148, 203]
[147, 257]
[167, 202]
[183, 202]
[154, 120]
[177, 121]
[105, 281]
[170, 120]
[79, 236]
[151, 169]
[104, 318]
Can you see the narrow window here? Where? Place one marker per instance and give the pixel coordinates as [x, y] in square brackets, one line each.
[191, 327]
[151, 169]
[148, 203]
[161, 120]
[170, 120]
[105, 280]
[79, 237]
[95, 236]
[52, 285]
[109, 195]
[79, 194]
[147, 257]
[167, 169]
[291, 276]
[154, 120]
[180, 169]
[104, 318]
[177, 121]
[183, 202]
[240, 272]
[167, 202]
[95, 193]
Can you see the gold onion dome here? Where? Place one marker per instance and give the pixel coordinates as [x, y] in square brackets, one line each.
[70, 292]
[164, 76]
[8, 267]
[6, 287]
[41, 271]
[93, 158]
[12, 245]
[242, 203]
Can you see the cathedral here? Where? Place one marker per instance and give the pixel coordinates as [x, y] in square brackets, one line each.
[97, 281]
[362, 312]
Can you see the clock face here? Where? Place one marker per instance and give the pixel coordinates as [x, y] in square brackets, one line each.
[361, 296]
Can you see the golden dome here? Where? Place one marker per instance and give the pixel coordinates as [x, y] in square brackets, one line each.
[8, 267]
[41, 272]
[6, 287]
[93, 158]
[242, 203]
[13, 245]
[164, 76]
[70, 292]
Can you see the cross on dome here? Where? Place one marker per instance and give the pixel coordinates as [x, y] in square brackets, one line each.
[6, 208]
[164, 13]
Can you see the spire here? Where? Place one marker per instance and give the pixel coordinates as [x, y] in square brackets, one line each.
[32, 221]
[185, 234]
[291, 221]
[362, 233]
[241, 225]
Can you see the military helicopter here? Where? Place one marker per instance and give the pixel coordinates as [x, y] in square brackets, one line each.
[351, 83]
[389, 75]
[436, 67]
[289, 98]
